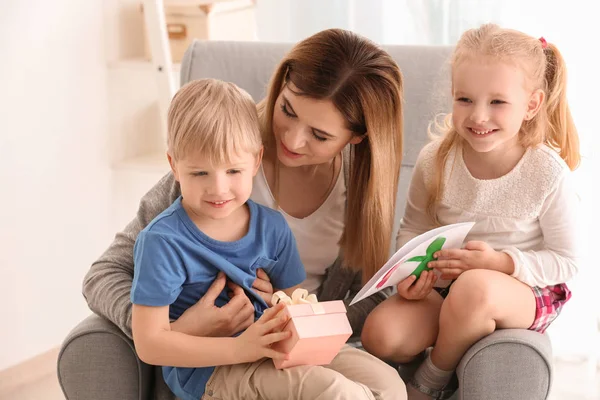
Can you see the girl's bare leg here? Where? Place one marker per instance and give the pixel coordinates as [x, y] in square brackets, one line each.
[480, 301]
[398, 329]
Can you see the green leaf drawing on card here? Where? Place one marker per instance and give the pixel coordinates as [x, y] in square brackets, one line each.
[434, 246]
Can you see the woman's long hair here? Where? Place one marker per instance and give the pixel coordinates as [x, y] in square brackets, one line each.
[365, 85]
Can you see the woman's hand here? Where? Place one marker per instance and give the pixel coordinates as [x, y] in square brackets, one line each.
[411, 290]
[475, 255]
[262, 286]
[255, 343]
[206, 319]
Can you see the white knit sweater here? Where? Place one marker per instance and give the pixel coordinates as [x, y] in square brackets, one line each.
[530, 213]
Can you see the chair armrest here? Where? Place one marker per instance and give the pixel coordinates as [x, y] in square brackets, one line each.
[506, 365]
[98, 362]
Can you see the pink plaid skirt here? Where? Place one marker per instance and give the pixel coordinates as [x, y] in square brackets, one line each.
[549, 302]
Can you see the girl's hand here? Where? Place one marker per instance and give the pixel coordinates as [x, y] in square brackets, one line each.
[262, 286]
[206, 319]
[475, 255]
[255, 343]
[411, 290]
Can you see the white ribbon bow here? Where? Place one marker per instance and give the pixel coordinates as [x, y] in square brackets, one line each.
[299, 296]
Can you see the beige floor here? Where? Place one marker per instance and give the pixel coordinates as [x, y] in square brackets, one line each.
[572, 383]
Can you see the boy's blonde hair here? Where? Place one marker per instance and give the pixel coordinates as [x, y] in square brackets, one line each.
[544, 69]
[213, 119]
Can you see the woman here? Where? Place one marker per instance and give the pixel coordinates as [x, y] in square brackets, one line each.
[334, 91]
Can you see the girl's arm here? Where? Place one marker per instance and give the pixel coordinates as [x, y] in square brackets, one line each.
[559, 261]
[157, 344]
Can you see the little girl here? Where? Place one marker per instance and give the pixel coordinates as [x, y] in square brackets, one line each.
[505, 162]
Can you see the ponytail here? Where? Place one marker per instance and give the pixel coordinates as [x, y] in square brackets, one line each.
[561, 132]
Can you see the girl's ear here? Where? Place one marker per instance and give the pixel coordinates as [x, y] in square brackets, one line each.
[259, 157]
[173, 165]
[535, 103]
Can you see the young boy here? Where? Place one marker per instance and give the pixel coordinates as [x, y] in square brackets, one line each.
[215, 150]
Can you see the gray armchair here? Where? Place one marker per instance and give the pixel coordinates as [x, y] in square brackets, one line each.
[98, 361]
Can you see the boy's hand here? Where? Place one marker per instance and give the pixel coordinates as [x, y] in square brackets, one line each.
[475, 255]
[255, 343]
[411, 290]
[262, 286]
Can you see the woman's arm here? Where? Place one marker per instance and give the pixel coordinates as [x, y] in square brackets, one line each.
[107, 285]
[357, 313]
[343, 283]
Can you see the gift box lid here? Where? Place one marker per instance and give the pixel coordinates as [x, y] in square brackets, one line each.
[326, 307]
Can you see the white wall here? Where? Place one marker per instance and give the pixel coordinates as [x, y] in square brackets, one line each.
[294, 20]
[54, 173]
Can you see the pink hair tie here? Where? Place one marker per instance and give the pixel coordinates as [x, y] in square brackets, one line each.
[544, 43]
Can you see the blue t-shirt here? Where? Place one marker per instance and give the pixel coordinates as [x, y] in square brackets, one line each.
[175, 264]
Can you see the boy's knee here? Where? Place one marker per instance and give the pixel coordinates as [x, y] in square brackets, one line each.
[326, 383]
[389, 386]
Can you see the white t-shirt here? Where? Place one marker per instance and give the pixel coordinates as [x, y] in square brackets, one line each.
[530, 213]
[317, 235]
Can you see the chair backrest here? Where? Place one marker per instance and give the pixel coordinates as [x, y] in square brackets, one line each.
[251, 64]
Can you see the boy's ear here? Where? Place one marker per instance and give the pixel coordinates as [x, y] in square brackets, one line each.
[535, 103]
[259, 157]
[173, 166]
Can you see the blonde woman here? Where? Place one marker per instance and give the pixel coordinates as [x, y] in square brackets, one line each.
[333, 91]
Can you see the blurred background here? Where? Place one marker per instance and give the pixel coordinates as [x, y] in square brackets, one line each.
[81, 141]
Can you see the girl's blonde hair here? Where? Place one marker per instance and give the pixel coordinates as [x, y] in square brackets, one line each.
[213, 119]
[544, 69]
[365, 85]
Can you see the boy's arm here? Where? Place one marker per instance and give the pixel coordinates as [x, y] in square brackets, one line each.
[157, 344]
[159, 276]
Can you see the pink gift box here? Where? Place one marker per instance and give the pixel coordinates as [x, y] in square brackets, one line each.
[318, 333]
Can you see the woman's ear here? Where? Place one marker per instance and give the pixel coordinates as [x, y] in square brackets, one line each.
[173, 165]
[535, 103]
[259, 157]
[356, 139]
